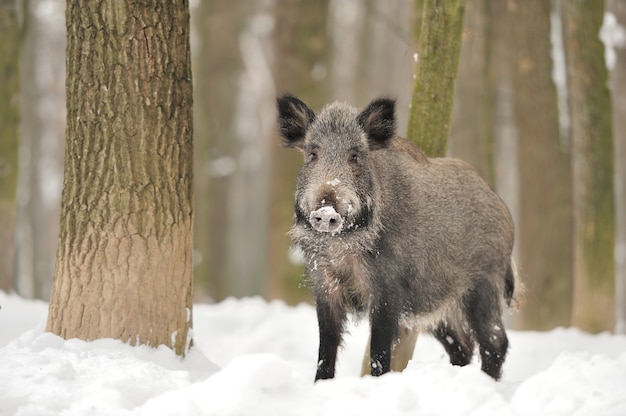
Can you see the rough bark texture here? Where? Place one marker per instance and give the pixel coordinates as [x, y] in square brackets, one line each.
[124, 258]
[9, 135]
[592, 167]
[544, 234]
[438, 49]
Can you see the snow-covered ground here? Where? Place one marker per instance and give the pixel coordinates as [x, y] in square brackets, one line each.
[257, 358]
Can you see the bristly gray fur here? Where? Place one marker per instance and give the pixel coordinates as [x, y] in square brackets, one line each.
[422, 242]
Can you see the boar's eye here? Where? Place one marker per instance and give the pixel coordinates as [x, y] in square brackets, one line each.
[353, 157]
[311, 155]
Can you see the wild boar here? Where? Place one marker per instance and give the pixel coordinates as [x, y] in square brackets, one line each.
[389, 233]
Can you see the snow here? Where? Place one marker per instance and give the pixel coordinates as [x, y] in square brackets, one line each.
[253, 357]
[613, 36]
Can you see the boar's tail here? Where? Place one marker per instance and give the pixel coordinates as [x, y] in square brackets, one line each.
[513, 288]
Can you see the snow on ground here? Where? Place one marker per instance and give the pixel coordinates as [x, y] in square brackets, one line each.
[257, 358]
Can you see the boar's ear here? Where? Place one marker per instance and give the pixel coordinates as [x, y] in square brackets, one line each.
[294, 117]
[379, 122]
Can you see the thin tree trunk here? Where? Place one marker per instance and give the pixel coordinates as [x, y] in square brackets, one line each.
[544, 176]
[593, 307]
[124, 262]
[347, 30]
[9, 135]
[618, 89]
[42, 129]
[387, 58]
[470, 137]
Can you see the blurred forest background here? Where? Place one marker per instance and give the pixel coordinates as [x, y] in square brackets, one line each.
[540, 111]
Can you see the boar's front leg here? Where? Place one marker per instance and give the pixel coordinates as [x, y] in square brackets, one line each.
[384, 327]
[331, 319]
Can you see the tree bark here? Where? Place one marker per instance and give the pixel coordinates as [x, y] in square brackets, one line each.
[593, 306]
[124, 262]
[438, 49]
[617, 78]
[544, 176]
[9, 135]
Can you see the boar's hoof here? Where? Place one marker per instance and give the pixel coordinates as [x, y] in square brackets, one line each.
[326, 220]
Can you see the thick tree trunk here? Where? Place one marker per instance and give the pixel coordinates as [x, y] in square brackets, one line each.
[592, 167]
[124, 262]
[544, 176]
[9, 135]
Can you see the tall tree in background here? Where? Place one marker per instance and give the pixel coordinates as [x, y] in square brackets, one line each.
[470, 132]
[124, 262]
[438, 51]
[42, 128]
[439, 38]
[300, 46]
[211, 132]
[544, 221]
[235, 126]
[592, 167]
[9, 135]
[617, 33]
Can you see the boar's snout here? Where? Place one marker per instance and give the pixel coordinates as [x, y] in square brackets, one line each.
[326, 220]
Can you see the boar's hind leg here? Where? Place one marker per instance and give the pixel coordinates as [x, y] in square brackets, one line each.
[331, 322]
[483, 313]
[458, 344]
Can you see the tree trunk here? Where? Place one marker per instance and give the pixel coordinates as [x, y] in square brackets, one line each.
[347, 27]
[387, 58]
[124, 262]
[300, 67]
[42, 128]
[438, 51]
[592, 167]
[618, 89]
[544, 177]
[470, 137]
[9, 135]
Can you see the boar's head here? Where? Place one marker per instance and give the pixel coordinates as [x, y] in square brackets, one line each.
[335, 187]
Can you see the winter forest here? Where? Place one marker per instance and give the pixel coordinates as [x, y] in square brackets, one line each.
[531, 93]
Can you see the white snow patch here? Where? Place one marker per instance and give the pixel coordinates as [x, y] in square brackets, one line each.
[253, 357]
[334, 182]
[613, 36]
[559, 76]
[221, 167]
